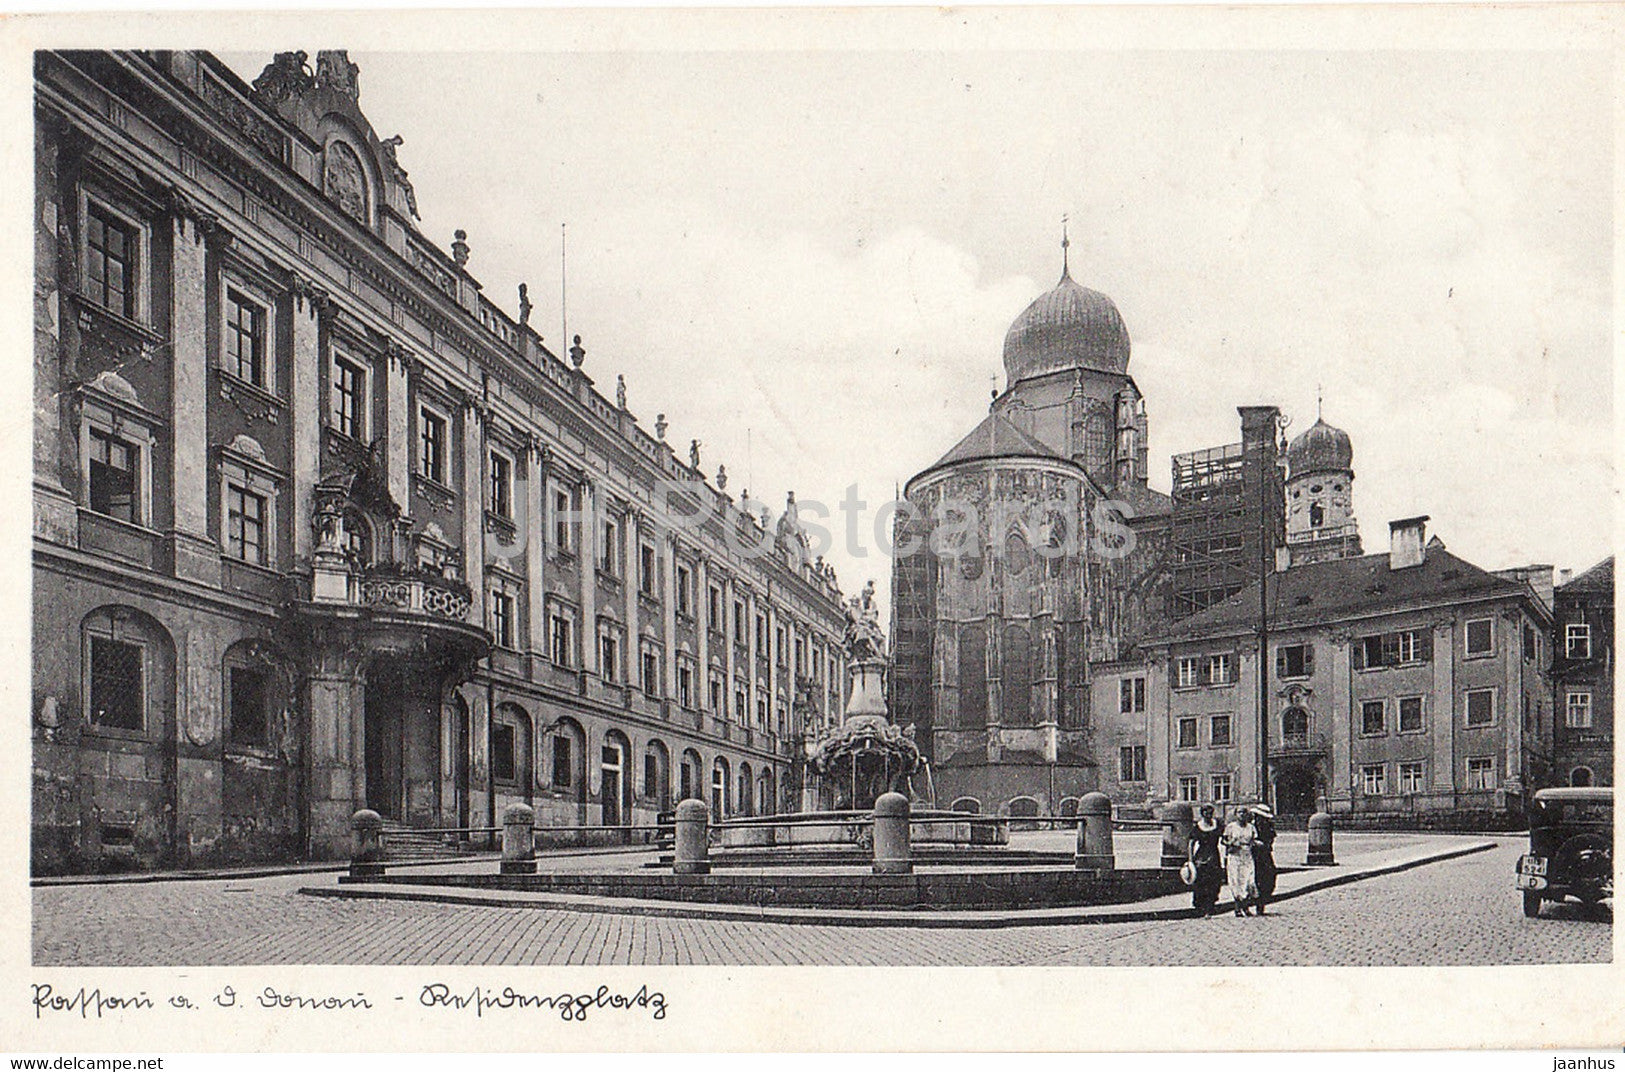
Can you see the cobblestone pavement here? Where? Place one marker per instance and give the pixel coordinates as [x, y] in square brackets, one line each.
[1461, 911]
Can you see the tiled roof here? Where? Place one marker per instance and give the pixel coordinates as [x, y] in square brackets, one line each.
[1599, 578]
[1342, 588]
[996, 437]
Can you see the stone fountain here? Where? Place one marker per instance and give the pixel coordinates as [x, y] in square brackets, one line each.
[867, 754]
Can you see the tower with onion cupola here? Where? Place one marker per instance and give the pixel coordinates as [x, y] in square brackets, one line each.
[1320, 524]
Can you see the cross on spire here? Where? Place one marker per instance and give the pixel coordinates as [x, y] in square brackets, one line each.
[1066, 243]
[1319, 397]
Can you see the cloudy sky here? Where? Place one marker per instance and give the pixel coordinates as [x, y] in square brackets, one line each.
[808, 260]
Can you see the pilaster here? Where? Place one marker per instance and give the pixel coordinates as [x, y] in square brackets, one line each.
[473, 496]
[309, 309]
[195, 553]
[535, 539]
[398, 426]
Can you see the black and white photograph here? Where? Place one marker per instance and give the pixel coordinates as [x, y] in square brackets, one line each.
[1002, 488]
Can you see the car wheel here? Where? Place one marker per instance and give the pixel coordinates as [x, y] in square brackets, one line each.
[1531, 904]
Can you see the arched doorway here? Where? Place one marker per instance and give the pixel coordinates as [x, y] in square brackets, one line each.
[719, 789]
[613, 793]
[688, 776]
[657, 776]
[1580, 776]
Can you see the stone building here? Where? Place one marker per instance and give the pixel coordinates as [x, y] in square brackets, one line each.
[1583, 678]
[1406, 688]
[1029, 551]
[318, 526]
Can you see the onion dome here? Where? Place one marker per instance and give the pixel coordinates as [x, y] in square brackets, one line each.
[1068, 328]
[1321, 449]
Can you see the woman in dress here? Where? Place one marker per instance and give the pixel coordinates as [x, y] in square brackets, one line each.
[1264, 854]
[1204, 855]
[1239, 836]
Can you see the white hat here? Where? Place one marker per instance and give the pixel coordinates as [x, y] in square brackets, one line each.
[1261, 809]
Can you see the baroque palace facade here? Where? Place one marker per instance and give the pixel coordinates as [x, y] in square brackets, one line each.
[317, 526]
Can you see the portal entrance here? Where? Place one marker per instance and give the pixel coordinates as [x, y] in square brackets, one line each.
[383, 739]
[1296, 790]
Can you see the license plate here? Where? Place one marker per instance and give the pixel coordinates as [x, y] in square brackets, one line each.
[1532, 865]
[1531, 882]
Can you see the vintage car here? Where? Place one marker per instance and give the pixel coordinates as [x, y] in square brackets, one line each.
[1571, 847]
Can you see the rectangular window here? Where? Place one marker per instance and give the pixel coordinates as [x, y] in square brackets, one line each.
[1131, 763]
[685, 685]
[778, 646]
[501, 486]
[713, 610]
[114, 481]
[502, 633]
[1410, 714]
[1407, 646]
[1219, 669]
[1187, 733]
[1374, 779]
[609, 650]
[740, 633]
[1373, 717]
[1131, 695]
[117, 690]
[1219, 731]
[714, 700]
[1577, 640]
[432, 440]
[761, 711]
[1294, 660]
[1531, 647]
[110, 252]
[563, 523]
[761, 636]
[249, 721]
[561, 762]
[685, 590]
[609, 559]
[502, 752]
[1480, 707]
[561, 631]
[651, 776]
[1410, 777]
[1190, 788]
[647, 581]
[244, 338]
[741, 703]
[1480, 637]
[245, 525]
[1188, 676]
[349, 399]
[1219, 788]
[650, 673]
[1577, 710]
[1368, 653]
[1480, 772]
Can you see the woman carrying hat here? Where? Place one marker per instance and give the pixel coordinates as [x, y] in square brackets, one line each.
[1204, 857]
[1264, 853]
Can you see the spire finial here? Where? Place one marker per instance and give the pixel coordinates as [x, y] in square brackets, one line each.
[1066, 243]
[1319, 398]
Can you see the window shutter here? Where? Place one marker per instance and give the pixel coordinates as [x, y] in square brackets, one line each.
[1308, 659]
[1359, 654]
[1424, 645]
[1280, 662]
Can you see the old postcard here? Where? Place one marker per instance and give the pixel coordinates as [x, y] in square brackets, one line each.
[596, 529]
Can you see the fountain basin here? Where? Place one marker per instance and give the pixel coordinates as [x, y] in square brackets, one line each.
[929, 827]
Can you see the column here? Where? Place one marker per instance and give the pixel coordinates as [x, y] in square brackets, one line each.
[751, 657]
[587, 559]
[473, 474]
[398, 427]
[729, 635]
[305, 355]
[534, 521]
[335, 762]
[773, 675]
[198, 792]
[631, 535]
[667, 552]
[702, 616]
[195, 554]
[790, 635]
[55, 517]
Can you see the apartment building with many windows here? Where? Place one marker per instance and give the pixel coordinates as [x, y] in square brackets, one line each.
[1583, 677]
[318, 526]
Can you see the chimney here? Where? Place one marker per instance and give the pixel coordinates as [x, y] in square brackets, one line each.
[1407, 542]
[1565, 576]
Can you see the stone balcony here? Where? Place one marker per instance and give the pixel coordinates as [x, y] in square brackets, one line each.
[1298, 744]
[395, 610]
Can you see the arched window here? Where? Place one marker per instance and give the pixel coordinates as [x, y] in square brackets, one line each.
[719, 789]
[1017, 699]
[657, 776]
[746, 797]
[358, 542]
[689, 786]
[258, 690]
[972, 677]
[614, 778]
[511, 748]
[1069, 807]
[970, 805]
[1580, 776]
[569, 760]
[766, 800]
[129, 672]
[1295, 725]
[1022, 808]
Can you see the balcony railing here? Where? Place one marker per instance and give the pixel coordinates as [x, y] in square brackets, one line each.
[1298, 744]
[413, 594]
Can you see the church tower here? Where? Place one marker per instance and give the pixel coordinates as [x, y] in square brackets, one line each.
[1320, 524]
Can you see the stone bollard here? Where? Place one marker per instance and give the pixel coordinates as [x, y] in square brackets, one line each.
[691, 851]
[518, 840]
[892, 851]
[1095, 834]
[1320, 840]
[1177, 824]
[366, 844]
